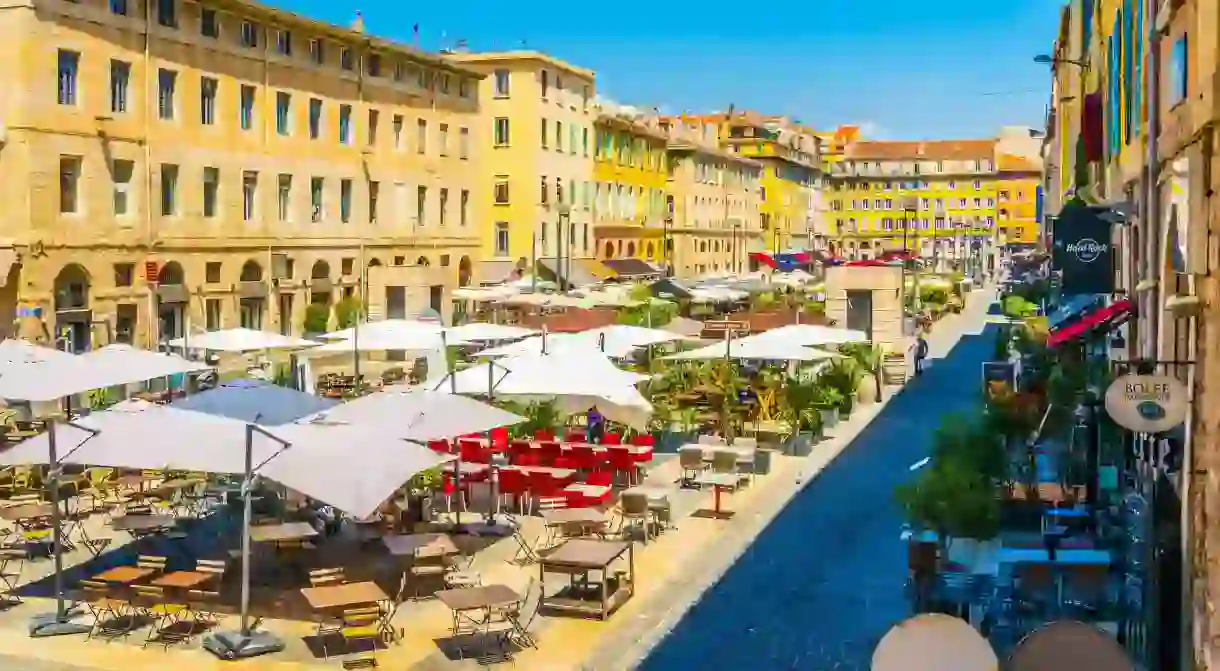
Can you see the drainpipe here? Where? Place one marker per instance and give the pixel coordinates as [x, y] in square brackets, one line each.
[149, 235]
[1152, 174]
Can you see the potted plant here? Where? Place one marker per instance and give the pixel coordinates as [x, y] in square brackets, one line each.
[826, 400]
[844, 375]
[802, 415]
[951, 499]
[420, 491]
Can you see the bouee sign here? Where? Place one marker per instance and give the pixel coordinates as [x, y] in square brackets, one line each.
[1147, 403]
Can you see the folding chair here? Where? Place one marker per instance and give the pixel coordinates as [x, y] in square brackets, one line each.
[12, 560]
[152, 604]
[390, 608]
[202, 605]
[358, 625]
[112, 617]
[154, 562]
[525, 552]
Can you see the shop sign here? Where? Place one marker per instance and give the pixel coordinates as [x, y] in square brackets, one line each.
[1082, 251]
[1147, 403]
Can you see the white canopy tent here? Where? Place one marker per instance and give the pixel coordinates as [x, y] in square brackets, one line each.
[387, 328]
[752, 348]
[807, 335]
[18, 352]
[381, 340]
[615, 341]
[482, 332]
[576, 379]
[240, 340]
[110, 366]
[419, 414]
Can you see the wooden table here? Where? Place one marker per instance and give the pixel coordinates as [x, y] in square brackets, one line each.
[337, 596]
[142, 522]
[26, 511]
[719, 482]
[182, 580]
[484, 598]
[288, 531]
[124, 575]
[425, 544]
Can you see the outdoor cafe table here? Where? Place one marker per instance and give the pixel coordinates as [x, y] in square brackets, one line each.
[484, 598]
[26, 511]
[582, 519]
[425, 544]
[719, 482]
[578, 558]
[182, 580]
[340, 596]
[142, 522]
[283, 532]
[124, 575]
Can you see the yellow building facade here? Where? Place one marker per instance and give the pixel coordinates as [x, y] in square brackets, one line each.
[1017, 183]
[929, 196]
[713, 199]
[203, 165]
[537, 159]
[630, 178]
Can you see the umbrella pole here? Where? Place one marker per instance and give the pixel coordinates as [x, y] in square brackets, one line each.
[246, 642]
[56, 623]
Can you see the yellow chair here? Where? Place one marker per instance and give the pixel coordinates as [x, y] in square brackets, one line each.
[151, 602]
[359, 625]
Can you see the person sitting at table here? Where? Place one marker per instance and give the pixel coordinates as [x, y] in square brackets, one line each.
[596, 425]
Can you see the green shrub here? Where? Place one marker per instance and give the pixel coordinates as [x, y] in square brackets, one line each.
[347, 312]
[317, 318]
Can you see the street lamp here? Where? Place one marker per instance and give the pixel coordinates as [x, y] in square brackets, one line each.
[736, 250]
[1046, 59]
[565, 215]
[910, 212]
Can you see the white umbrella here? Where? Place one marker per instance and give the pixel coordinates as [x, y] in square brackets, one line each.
[753, 349]
[806, 335]
[419, 414]
[557, 342]
[390, 327]
[479, 332]
[16, 352]
[240, 340]
[934, 642]
[109, 366]
[618, 335]
[575, 379]
[412, 340]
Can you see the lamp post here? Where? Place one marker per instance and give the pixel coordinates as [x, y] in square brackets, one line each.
[910, 212]
[562, 252]
[737, 240]
[1046, 59]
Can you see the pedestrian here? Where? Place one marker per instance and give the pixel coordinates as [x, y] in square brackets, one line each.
[921, 353]
[596, 425]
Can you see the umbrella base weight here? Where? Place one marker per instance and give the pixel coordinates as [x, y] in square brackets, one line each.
[236, 645]
[54, 624]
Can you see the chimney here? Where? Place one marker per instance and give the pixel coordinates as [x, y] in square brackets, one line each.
[358, 23]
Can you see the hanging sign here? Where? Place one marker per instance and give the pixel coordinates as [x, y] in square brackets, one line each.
[1147, 403]
[1081, 249]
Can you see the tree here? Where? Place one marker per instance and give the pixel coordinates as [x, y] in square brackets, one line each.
[951, 499]
[347, 312]
[317, 318]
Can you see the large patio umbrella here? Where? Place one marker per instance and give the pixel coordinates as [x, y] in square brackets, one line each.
[389, 328]
[256, 401]
[351, 467]
[807, 335]
[1069, 646]
[555, 342]
[481, 332]
[419, 415]
[753, 348]
[240, 340]
[576, 379]
[20, 352]
[934, 642]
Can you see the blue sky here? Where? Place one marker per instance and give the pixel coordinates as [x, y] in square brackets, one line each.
[903, 69]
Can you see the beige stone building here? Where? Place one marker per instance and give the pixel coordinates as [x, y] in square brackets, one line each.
[537, 159]
[714, 196]
[173, 165]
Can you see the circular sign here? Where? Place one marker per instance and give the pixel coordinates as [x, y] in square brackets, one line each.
[1147, 403]
[1087, 250]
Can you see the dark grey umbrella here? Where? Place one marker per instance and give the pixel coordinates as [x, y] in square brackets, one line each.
[256, 401]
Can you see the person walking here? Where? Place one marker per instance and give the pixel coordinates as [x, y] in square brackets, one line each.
[921, 353]
[596, 425]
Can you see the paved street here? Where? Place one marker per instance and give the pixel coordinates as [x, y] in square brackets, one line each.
[824, 582]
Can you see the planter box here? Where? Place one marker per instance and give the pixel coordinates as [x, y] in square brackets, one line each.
[830, 417]
[844, 413]
[799, 444]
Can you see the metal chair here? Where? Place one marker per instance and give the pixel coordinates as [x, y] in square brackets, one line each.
[633, 506]
[691, 461]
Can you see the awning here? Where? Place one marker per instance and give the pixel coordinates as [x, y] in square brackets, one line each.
[576, 276]
[1104, 317]
[1070, 309]
[631, 268]
[496, 271]
[595, 268]
[782, 261]
[670, 288]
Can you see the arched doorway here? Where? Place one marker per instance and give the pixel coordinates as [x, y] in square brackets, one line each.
[72, 314]
[172, 302]
[650, 251]
[630, 250]
[253, 302]
[464, 271]
[609, 250]
[320, 283]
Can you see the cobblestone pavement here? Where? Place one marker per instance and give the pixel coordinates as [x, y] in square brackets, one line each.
[10, 663]
[821, 585]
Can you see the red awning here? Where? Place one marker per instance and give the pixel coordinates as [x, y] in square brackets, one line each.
[1091, 320]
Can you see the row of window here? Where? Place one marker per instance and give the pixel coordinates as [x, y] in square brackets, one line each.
[854, 167]
[924, 203]
[548, 85]
[558, 144]
[950, 185]
[501, 238]
[251, 34]
[851, 225]
[211, 193]
[168, 101]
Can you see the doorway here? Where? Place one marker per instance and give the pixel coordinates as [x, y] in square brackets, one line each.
[860, 310]
[73, 318]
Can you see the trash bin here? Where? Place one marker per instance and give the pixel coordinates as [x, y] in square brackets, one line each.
[762, 461]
